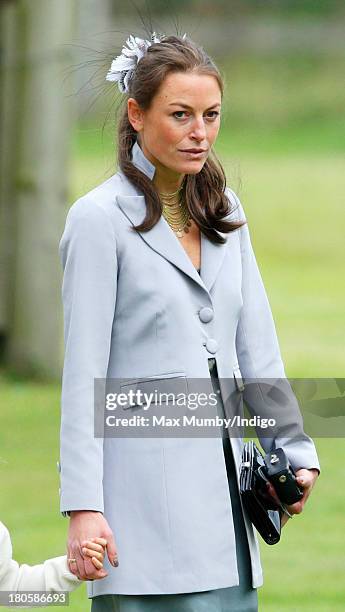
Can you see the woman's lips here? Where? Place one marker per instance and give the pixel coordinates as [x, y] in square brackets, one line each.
[193, 154]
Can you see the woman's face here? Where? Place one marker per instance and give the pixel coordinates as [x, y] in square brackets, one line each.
[184, 114]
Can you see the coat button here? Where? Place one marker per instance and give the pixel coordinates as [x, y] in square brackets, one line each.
[212, 345]
[206, 314]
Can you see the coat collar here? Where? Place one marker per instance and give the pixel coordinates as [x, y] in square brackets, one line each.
[141, 161]
[161, 237]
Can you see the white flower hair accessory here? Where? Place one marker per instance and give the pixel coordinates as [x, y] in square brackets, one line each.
[124, 65]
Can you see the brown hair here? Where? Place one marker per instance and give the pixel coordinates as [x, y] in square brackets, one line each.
[203, 192]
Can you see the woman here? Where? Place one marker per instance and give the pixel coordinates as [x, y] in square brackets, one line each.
[161, 287]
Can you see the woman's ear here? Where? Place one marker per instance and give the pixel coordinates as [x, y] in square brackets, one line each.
[135, 114]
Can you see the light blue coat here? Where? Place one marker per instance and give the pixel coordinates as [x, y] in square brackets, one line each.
[134, 307]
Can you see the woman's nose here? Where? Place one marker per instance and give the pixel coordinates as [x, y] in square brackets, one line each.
[198, 129]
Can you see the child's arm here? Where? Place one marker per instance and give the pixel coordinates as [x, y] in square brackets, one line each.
[52, 575]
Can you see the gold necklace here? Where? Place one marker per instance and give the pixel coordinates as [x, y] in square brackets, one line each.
[171, 195]
[176, 212]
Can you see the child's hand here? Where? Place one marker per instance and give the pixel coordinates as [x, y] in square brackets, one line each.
[95, 548]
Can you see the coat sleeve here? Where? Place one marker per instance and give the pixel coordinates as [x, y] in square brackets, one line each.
[267, 391]
[88, 255]
[52, 575]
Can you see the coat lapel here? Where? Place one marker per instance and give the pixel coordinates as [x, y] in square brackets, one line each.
[161, 237]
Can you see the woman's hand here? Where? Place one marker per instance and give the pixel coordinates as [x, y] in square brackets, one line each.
[88, 525]
[305, 480]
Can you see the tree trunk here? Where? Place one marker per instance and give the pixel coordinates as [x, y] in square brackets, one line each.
[41, 184]
[10, 88]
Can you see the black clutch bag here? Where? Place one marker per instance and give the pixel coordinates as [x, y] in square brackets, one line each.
[263, 513]
[262, 509]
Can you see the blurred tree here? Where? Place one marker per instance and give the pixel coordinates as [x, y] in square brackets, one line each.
[9, 92]
[36, 116]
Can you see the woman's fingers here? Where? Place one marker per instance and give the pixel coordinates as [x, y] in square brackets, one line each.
[111, 550]
[305, 479]
[72, 564]
[76, 561]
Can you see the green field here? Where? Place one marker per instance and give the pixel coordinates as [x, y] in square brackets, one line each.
[283, 147]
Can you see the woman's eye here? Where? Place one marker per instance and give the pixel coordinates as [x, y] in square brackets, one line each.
[176, 113]
[215, 114]
[210, 115]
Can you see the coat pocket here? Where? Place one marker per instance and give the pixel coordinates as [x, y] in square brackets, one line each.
[157, 388]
